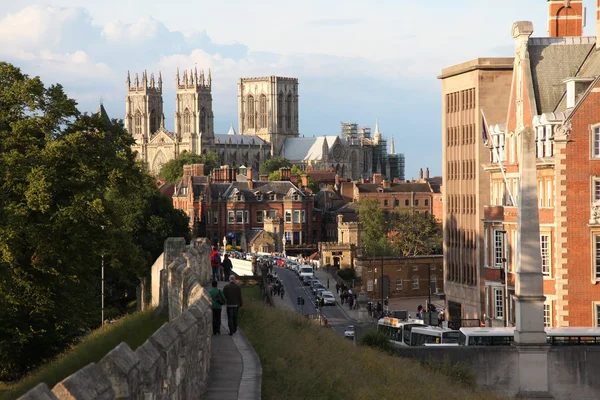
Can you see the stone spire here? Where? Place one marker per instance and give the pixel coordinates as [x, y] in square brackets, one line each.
[159, 80]
[392, 149]
[231, 130]
[377, 134]
[128, 80]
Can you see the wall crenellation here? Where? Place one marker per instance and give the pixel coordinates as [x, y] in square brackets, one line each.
[174, 362]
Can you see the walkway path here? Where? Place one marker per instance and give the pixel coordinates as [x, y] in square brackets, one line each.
[235, 369]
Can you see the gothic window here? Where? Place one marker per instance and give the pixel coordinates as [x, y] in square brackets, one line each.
[250, 107]
[203, 126]
[280, 111]
[288, 111]
[262, 109]
[187, 121]
[137, 123]
[152, 121]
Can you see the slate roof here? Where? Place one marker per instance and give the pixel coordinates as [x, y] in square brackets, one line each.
[552, 61]
[223, 190]
[306, 148]
[239, 139]
[395, 187]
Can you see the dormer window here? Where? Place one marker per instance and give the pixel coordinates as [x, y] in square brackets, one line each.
[380, 190]
[259, 197]
[296, 197]
[273, 197]
[239, 197]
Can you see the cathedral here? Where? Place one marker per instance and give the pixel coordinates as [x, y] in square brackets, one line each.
[268, 123]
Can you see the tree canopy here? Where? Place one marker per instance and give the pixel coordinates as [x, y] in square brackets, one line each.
[404, 231]
[72, 191]
[274, 164]
[312, 184]
[172, 171]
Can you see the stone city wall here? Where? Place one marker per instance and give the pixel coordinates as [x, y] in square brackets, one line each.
[572, 370]
[174, 362]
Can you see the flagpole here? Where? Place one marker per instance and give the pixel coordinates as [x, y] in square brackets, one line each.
[499, 162]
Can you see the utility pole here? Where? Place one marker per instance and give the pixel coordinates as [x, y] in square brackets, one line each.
[102, 226]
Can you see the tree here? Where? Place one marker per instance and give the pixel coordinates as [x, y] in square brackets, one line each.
[312, 184]
[373, 232]
[274, 164]
[172, 171]
[64, 176]
[417, 233]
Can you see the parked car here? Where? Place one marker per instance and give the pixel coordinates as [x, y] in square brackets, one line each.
[307, 280]
[328, 299]
[316, 285]
[319, 291]
[349, 332]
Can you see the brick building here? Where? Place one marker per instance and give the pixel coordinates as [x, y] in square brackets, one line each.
[555, 97]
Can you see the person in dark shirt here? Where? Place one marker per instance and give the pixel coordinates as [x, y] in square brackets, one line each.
[233, 294]
[227, 266]
[218, 300]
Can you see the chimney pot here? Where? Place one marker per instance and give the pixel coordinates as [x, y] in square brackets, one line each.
[426, 173]
[565, 18]
[420, 174]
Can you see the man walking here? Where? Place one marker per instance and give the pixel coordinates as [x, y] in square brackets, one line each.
[227, 266]
[218, 300]
[233, 295]
[215, 263]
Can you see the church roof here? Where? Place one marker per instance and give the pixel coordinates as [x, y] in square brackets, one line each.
[238, 139]
[306, 148]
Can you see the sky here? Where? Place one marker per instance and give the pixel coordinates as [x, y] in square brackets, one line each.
[355, 60]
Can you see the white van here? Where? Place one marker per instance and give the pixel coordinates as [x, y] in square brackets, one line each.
[306, 270]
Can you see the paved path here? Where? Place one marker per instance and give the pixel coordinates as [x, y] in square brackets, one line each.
[235, 369]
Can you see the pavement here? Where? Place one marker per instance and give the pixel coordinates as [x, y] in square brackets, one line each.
[235, 369]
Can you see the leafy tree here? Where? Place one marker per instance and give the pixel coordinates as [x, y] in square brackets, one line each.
[274, 164]
[63, 177]
[312, 184]
[172, 171]
[417, 233]
[374, 229]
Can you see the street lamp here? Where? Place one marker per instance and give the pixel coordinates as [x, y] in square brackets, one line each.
[102, 256]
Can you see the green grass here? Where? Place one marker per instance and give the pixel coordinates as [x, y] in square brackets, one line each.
[133, 329]
[303, 361]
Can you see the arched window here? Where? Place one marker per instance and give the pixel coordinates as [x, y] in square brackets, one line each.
[280, 112]
[187, 121]
[250, 110]
[262, 109]
[288, 112]
[415, 282]
[137, 123]
[152, 121]
[203, 125]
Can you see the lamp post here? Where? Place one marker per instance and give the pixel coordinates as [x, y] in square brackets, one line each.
[102, 256]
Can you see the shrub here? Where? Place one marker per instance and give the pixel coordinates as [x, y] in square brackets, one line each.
[347, 274]
[377, 340]
[459, 372]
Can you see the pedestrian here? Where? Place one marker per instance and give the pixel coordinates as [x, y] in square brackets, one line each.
[282, 292]
[227, 266]
[233, 295]
[337, 288]
[218, 300]
[350, 302]
[215, 262]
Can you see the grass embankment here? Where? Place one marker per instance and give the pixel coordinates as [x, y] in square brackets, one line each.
[133, 329]
[302, 361]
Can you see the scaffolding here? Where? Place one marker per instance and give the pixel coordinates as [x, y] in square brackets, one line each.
[349, 132]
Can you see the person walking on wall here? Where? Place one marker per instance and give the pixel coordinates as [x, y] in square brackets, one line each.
[233, 295]
[227, 266]
[215, 263]
[218, 300]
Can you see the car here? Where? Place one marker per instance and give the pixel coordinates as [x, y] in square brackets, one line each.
[349, 332]
[307, 280]
[328, 299]
[319, 291]
[306, 270]
[317, 285]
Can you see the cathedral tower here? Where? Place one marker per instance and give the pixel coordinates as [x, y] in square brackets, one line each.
[193, 112]
[268, 108]
[143, 110]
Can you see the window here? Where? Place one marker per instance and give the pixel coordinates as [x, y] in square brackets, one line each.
[498, 304]
[288, 237]
[597, 306]
[386, 202]
[596, 190]
[259, 216]
[250, 111]
[596, 256]
[303, 215]
[271, 213]
[288, 215]
[288, 112]
[297, 238]
[296, 217]
[239, 217]
[370, 285]
[231, 217]
[152, 121]
[415, 282]
[545, 249]
[399, 284]
[273, 197]
[187, 121]
[215, 218]
[203, 125]
[396, 203]
[433, 284]
[596, 142]
[499, 249]
[137, 123]
[406, 202]
[547, 315]
[280, 111]
[426, 202]
[262, 109]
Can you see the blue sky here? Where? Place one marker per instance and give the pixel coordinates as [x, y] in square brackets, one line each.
[356, 60]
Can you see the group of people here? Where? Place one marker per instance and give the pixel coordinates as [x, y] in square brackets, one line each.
[346, 296]
[221, 271]
[230, 296]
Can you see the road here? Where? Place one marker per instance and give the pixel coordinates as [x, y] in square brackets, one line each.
[336, 318]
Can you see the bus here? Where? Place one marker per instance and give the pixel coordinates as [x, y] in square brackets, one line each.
[398, 331]
[567, 336]
[433, 336]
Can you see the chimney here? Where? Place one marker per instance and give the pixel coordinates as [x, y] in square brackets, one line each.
[420, 174]
[294, 179]
[197, 169]
[347, 189]
[187, 173]
[263, 178]
[426, 173]
[249, 173]
[386, 184]
[284, 173]
[377, 179]
[304, 180]
[337, 181]
[565, 18]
